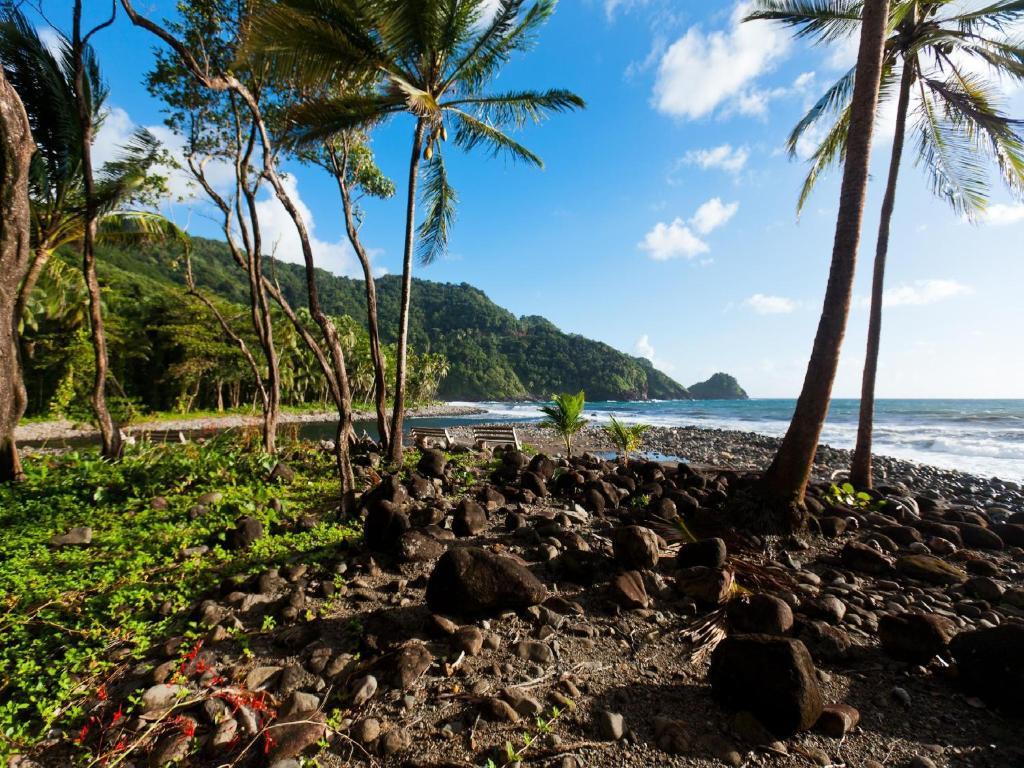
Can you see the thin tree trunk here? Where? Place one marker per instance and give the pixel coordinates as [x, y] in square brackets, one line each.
[40, 258]
[340, 169]
[398, 414]
[786, 480]
[860, 466]
[16, 150]
[110, 434]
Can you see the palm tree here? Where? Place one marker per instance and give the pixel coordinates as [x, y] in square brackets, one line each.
[431, 59]
[16, 149]
[565, 417]
[785, 481]
[957, 121]
[46, 81]
[625, 437]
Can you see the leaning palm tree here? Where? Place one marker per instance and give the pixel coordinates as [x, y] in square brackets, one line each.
[45, 78]
[785, 481]
[565, 417]
[625, 437]
[956, 115]
[431, 59]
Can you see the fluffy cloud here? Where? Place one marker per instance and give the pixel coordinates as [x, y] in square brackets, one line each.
[677, 240]
[672, 241]
[611, 7]
[723, 157]
[923, 292]
[1001, 215]
[702, 72]
[769, 305]
[645, 349]
[713, 214]
[279, 235]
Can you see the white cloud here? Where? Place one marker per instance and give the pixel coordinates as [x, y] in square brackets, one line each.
[645, 349]
[702, 72]
[769, 305]
[1001, 215]
[713, 214]
[278, 230]
[923, 292]
[282, 240]
[724, 157]
[803, 81]
[611, 7]
[52, 40]
[677, 239]
[672, 241]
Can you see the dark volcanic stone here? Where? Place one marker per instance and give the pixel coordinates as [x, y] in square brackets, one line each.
[470, 518]
[534, 483]
[708, 552]
[583, 568]
[636, 547]
[930, 569]
[915, 637]
[991, 664]
[473, 580]
[418, 547]
[1011, 533]
[292, 734]
[977, 537]
[761, 614]
[861, 557]
[706, 585]
[385, 523]
[627, 589]
[432, 463]
[771, 677]
[246, 531]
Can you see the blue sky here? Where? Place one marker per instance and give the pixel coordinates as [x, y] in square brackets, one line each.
[664, 222]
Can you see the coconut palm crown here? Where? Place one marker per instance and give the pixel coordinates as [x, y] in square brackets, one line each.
[949, 47]
[432, 59]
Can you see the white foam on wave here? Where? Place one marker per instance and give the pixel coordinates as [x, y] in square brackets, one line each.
[967, 446]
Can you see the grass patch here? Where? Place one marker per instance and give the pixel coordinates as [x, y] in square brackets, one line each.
[70, 614]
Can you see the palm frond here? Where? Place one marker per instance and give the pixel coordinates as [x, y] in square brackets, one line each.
[517, 108]
[138, 228]
[316, 120]
[823, 21]
[999, 16]
[836, 100]
[441, 200]
[471, 133]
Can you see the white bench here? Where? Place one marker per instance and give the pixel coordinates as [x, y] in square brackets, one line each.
[432, 434]
[484, 436]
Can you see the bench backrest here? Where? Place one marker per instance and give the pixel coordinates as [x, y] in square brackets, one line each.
[496, 435]
[433, 432]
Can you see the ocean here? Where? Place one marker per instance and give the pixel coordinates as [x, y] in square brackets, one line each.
[983, 437]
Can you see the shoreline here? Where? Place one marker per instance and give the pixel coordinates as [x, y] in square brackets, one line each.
[62, 429]
[740, 450]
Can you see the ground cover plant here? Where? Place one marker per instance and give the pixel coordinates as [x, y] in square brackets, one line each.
[71, 614]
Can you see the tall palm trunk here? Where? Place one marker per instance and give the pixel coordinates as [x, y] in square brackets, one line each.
[110, 434]
[785, 482]
[860, 467]
[398, 415]
[380, 387]
[16, 149]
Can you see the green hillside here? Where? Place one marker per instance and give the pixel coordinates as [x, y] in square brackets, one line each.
[493, 355]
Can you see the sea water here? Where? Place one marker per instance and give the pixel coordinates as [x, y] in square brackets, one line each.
[983, 437]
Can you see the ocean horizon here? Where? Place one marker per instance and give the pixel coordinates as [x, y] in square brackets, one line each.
[981, 436]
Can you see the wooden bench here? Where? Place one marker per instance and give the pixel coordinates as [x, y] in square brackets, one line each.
[432, 434]
[483, 436]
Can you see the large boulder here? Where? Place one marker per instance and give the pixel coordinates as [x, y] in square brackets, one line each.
[432, 463]
[470, 518]
[861, 557]
[760, 614]
[474, 581]
[385, 523]
[930, 569]
[990, 663]
[636, 547]
[705, 585]
[773, 678]
[709, 553]
[915, 637]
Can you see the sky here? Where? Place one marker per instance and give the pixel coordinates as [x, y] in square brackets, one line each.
[664, 221]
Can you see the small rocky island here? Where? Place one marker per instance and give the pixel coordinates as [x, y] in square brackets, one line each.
[720, 386]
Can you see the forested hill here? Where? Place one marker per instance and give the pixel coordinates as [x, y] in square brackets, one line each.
[493, 355]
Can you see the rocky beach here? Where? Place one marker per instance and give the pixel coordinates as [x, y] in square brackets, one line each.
[524, 610]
